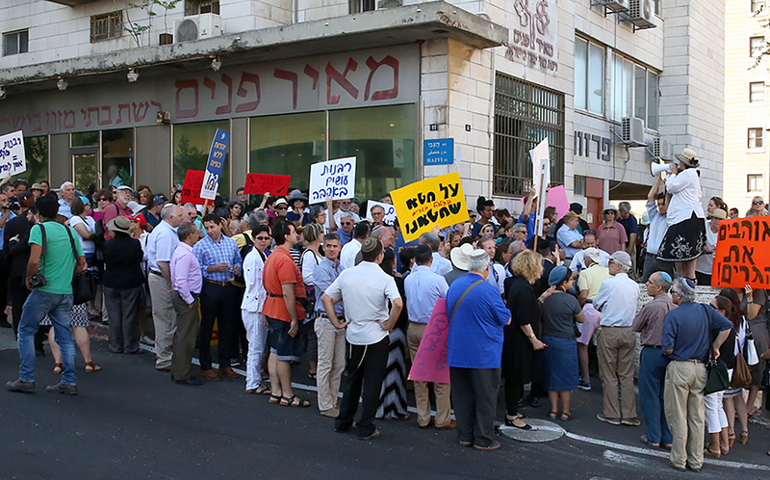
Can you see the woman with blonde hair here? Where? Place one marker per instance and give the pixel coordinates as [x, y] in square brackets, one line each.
[757, 208]
[521, 361]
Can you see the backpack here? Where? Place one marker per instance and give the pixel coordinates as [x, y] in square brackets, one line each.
[309, 289]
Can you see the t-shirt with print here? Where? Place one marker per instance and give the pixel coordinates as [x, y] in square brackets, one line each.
[280, 269]
[58, 264]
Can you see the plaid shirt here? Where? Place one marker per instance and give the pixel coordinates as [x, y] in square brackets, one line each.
[208, 252]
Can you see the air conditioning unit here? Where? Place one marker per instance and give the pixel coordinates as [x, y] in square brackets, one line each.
[198, 27]
[632, 131]
[642, 13]
[615, 6]
[662, 149]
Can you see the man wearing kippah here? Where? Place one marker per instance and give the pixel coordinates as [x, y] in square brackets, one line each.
[652, 363]
[616, 342]
[688, 331]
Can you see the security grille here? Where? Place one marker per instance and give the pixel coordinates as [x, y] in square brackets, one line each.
[524, 115]
[109, 25]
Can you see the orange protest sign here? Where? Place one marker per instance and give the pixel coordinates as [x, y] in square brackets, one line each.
[743, 253]
[421, 206]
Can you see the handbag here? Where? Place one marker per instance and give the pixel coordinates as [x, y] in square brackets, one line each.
[741, 374]
[718, 378]
[751, 350]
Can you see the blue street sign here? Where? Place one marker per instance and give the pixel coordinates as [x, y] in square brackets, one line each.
[439, 151]
[215, 164]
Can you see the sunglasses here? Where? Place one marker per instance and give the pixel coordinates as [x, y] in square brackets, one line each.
[758, 203]
[346, 223]
[101, 199]
[263, 239]
[282, 207]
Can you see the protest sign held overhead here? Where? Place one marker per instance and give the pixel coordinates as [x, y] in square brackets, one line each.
[258, 184]
[430, 362]
[390, 211]
[193, 180]
[215, 163]
[422, 205]
[334, 179]
[743, 254]
[12, 158]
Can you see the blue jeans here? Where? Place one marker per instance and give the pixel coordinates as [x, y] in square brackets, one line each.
[59, 308]
[652, 375]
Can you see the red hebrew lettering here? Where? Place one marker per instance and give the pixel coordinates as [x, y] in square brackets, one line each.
[228, 107]
[341, 79]
[87, 115]
[247, 77]
[211, 85]
[312, 73]
[138, 113]
[293, 78]
[71, 115]
[35, 116]
[108, 120]
[157, 105]
[182, 85]
[18, 122]
[121, 106]
[373, 66]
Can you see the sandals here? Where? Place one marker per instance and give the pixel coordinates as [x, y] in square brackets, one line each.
[553, 415]
[57, 368]
[294, 401]
[312, 375]
[565, 417]
[710, 453]
[92, 367]
[731, 439]
[744, 437]
[261, 390]
[274, 398]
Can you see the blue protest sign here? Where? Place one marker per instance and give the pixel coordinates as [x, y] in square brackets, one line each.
[215, 164]
[439, 151]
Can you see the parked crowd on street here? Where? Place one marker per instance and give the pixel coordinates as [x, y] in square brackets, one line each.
[264, 286]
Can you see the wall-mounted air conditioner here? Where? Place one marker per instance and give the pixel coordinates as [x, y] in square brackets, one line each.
[662, 149]
[197, 27]
[632, 132]
[614, 6]
[642, 13]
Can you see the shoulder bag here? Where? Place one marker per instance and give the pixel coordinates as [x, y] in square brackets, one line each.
[741, 374]
[718, 378]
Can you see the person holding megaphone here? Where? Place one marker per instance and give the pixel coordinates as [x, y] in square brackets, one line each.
[686, 235]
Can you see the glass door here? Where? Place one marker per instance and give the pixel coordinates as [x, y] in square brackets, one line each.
[85, 164]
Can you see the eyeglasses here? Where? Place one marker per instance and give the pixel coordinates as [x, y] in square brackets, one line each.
[263, 239]
[758, 202]
[102, 199]
[346, 223]
[546, 224]
[282, 207]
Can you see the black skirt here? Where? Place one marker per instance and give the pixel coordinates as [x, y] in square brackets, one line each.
[684, 241]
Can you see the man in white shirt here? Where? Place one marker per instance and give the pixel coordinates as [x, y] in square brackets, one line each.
[616, 344]
[344, 207]
[67, 192]
[351, 249]
[656, 209]
[440, 265]
[367, 291]
[579, 263]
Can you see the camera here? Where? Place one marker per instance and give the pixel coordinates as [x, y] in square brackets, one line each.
[37, 280]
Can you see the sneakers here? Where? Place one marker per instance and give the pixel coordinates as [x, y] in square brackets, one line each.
[631, 422]
[611, 421]
[62, 388]
[19, 385]
[333, 412]
[371, 436]
[584, 385]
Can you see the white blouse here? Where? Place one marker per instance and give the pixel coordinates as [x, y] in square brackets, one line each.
[686, 199]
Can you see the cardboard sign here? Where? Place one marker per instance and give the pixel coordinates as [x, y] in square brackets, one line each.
[215, 164]
[557, 198]
[193, 180]
[539, 172]
[259, 183]
[743, 253]
[390, 212]
[12, 158]
[422, 205]
[334, 179]
[430, 362]
[439, 151]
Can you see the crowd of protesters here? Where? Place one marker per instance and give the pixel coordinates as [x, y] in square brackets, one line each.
[284, 282]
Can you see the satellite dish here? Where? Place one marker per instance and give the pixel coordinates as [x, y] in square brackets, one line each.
[187, 30]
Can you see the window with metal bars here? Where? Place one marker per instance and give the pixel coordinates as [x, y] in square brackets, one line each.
[524, 115]
[109, 25]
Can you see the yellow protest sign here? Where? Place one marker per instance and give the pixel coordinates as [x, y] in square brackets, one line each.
[420, 206]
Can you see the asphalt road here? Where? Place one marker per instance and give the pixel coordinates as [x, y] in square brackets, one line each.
[130, 421]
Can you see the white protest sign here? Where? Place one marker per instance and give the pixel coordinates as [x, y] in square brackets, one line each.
[12, 158]
[334, 179]
[390, 211]
[541, 178]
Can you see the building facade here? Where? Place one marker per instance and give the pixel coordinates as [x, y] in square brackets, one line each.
[747, 158]
[103, 95]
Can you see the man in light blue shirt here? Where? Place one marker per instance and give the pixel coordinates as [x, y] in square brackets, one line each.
[568, 236]
[423, 289]
[440, 265]
[656, 209]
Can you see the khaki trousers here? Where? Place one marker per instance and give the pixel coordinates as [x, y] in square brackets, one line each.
[187, 320]
[683, 403]
[422, 395]
[616, 348]
[331, 362]
[164, 318]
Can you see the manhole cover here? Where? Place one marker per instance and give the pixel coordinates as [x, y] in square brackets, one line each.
[542, 431]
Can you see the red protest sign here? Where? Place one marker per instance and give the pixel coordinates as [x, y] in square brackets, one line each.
[259, 183]
[430, 362]
[743, 253]
[191, 189]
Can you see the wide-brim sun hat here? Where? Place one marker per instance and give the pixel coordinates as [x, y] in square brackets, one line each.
[689, 157]
[461, 255]
[120, 224]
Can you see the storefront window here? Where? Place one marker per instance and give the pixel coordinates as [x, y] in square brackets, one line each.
[288, 145]
[84, 139]
[118, 157]
[192, 143]
[382, 139]
[36, 151]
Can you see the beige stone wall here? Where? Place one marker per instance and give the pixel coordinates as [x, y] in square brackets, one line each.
[740, 115]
